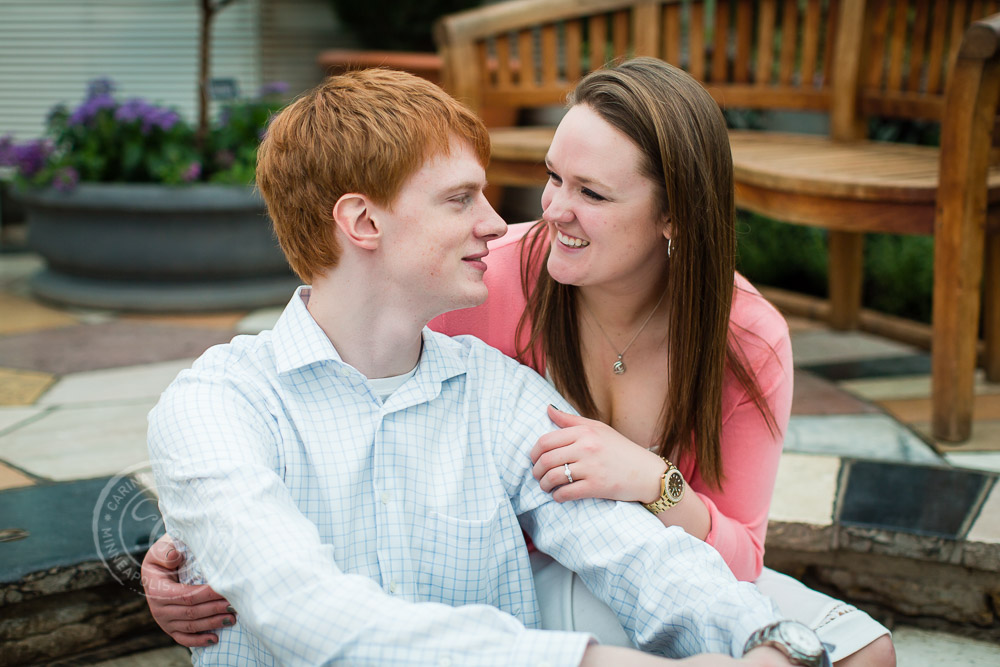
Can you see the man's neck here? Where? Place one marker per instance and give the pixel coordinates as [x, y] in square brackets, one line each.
[370, 332]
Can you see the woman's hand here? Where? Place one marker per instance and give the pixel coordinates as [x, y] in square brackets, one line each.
[186, 613]
[603, 462]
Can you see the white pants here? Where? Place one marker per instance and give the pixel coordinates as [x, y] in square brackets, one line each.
[567, 604]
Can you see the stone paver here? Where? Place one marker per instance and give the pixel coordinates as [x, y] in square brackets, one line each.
[259, 320]
[805, 489]
[21, 387]
[21, 316]
[986, 527]
[814, 395]
[924, 648]
[115, 384]
[871, 436]
[985, 438]
[986, 406]
[109, 345]
[175, 656]
[17, 267]
[77, 443]
[823, 346]
[11, 478]
[912, 386]
[10, 417]
[975, 460]
[224, 321]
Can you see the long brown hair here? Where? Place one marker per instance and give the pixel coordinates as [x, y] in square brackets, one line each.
[682, 136]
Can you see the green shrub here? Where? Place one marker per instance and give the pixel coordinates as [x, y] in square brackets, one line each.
[898, 270]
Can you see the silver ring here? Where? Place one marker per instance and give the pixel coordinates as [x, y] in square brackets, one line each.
[569, 475]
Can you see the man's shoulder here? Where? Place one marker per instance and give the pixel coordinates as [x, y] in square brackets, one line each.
[482, 360]
[247, 361]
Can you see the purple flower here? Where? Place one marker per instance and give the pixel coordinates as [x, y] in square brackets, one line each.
[66, 179]
[102, 86]
[192, 173]
[273, 88]
[29, 157]
[88, 111]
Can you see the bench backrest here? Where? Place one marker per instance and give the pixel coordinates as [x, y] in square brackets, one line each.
[849, 58]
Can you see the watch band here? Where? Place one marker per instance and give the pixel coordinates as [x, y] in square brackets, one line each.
[671, 489]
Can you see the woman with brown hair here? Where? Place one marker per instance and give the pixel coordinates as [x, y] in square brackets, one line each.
[625, 296]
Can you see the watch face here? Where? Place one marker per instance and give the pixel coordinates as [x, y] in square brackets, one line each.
[801, 638]
[674, 485]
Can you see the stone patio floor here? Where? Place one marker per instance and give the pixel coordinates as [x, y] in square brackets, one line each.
[75, 387]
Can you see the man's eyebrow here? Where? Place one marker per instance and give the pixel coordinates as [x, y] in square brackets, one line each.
[464, 187]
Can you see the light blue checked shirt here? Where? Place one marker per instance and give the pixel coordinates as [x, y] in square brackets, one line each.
[345, 529]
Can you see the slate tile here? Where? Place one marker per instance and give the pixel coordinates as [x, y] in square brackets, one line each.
[115, 384]
[814, 395]
[914, 364]
[23, 316]
[58, 520]
[826, 346]
[11, 478]
[986, 527]
[806, 489]
[926, 500]
[79, 442]
[108, 345]
[21, 387]
[868, 436]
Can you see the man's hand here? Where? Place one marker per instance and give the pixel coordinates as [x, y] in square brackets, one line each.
[186, 613]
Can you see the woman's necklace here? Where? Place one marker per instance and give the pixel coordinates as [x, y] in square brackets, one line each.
[619, 366]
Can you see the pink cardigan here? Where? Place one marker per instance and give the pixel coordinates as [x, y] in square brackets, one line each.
[750, 453]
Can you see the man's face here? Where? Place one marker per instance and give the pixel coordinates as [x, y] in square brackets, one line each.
[436, 232]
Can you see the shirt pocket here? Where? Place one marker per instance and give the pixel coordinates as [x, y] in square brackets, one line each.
[457, 561]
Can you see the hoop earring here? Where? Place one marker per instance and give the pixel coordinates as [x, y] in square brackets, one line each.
[670, 246]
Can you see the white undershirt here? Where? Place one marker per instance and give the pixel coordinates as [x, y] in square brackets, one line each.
[385, 386]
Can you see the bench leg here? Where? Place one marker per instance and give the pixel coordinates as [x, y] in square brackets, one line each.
[991, 308]
[846, 252]
[958, 272]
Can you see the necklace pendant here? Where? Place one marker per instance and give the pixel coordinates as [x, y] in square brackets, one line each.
[619, 366]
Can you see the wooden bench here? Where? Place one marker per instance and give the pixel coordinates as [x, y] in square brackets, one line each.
[848, 59]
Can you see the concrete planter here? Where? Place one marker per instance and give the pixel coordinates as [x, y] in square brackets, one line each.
[150, 247]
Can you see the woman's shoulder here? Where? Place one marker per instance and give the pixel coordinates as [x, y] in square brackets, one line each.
[754, 317]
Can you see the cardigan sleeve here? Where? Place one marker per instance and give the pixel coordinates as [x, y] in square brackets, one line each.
[750, 451]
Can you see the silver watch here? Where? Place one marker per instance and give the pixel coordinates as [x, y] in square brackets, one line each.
[796, 640]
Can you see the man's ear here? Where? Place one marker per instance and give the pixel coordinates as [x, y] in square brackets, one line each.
[353, 216]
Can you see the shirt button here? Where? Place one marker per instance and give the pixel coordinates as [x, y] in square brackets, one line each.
[386, 497]
[444, 662]
[392, 586]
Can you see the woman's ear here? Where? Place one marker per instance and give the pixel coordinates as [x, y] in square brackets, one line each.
[668, 229]
[352, 214]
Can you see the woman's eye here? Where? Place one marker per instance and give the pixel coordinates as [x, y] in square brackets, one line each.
[590, 194]
[554, 177]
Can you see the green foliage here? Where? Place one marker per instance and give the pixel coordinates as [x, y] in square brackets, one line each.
[400, 25]
[898, 270]
[106, 140]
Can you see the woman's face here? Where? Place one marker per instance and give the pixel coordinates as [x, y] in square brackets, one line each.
[604, 219]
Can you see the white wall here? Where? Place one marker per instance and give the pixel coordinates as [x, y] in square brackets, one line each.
[49, 49]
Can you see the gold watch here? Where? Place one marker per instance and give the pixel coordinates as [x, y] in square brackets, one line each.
[671, 489]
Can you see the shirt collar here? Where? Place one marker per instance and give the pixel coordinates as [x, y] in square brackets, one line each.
[299, 341]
